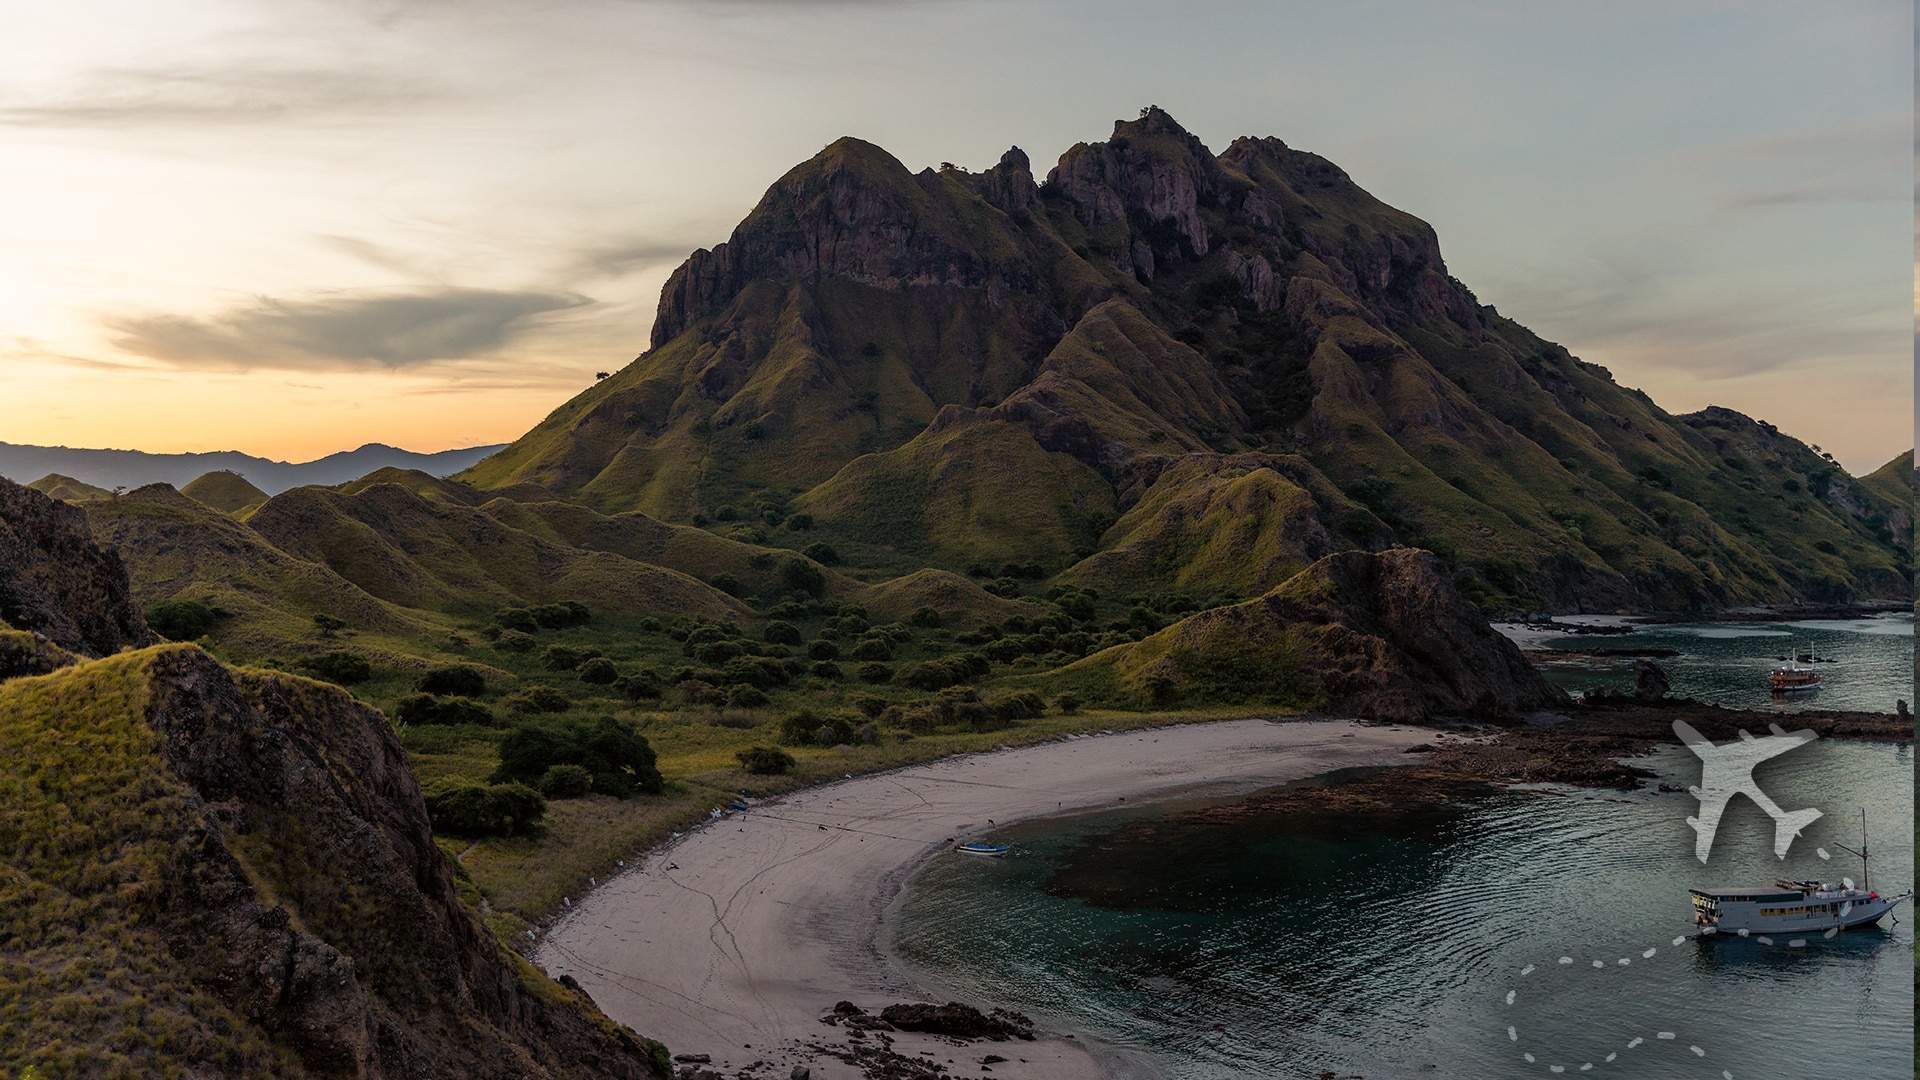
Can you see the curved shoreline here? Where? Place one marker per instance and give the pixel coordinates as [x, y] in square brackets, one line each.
[734, 939]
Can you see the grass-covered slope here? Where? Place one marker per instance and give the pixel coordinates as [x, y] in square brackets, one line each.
[67, 489]
[947, 367]
[229, 874]
[225, 491]
[1384, 637]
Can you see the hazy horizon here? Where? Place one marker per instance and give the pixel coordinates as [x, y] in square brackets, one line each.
[294, 229]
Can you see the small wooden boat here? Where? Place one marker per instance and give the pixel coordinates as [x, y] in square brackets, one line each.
[1793, 677]
[993, 851]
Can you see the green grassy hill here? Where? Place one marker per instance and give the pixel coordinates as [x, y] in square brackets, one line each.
[225, 491]
[67, 489]
[947, 369]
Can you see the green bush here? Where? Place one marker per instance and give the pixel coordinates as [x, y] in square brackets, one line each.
[925, 676]
[871, 649]
[614, 751]
[642, 685]
[745, 696]
[822, 553]
[823, 650]
[514, 641]
[765, 760]
[867, 705]
[1067, 702]
[876, 673]
[516, 618]
[453, 679]
[180, 620]
[461, 807]
[328, 624]
[726, 583]
[598, 670]
[565, 782]
[925, 617]
[804, 728]
[561, 615]
[427, 709]
[539, 698]
[781, 633]
[565, 657]
[799, 575]
[338, 666]
[827, 669]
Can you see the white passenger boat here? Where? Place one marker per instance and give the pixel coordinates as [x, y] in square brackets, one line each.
[1794, 907]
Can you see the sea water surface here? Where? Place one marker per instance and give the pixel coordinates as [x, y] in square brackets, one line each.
[1867, 664]
[1387, 945]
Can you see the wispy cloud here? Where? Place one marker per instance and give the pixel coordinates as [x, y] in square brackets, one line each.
[622, 257]
[342, 332]
[190, 96]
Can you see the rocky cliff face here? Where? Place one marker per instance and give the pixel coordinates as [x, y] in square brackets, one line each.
[54, 580]
[269, 886]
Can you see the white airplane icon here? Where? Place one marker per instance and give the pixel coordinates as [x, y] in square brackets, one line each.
[1726, 771]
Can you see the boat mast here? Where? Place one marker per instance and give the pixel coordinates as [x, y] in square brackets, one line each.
[1866, 877]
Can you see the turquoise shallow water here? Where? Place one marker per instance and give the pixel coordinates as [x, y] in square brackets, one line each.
[1385, 946]
[1727, 663]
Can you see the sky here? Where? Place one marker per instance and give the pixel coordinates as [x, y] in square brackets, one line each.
[291, 228]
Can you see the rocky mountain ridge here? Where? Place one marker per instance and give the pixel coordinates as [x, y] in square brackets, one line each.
[979, 366]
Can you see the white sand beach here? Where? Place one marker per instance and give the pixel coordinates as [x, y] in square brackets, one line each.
[733, 940]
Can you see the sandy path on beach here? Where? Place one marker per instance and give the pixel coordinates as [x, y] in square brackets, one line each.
[734, 939]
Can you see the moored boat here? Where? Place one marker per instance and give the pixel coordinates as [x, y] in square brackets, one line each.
[990, 850]
[1792, 678]
[1791, 906]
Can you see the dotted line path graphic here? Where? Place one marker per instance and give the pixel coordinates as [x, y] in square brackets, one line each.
[1513, 997]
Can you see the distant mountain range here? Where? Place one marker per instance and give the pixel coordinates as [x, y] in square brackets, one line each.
[133, 468]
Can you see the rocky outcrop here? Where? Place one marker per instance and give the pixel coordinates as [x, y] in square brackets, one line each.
[852, 212]
[1381, 636]
[298, 894]
[1141, 191]
[54, 580]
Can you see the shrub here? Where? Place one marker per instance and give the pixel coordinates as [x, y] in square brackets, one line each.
[823, 650]
[821, 553]
[800, 522]
[726, 583]
[827, 669]
[717, 652]
[613, 751]
[924, 676]
[925, 617]
[745, 696]
[339, 666]
[326, 624]
[461, 807]
[180, 620]
[799, 575]
[514, 641]
[565, 782]
[1067, 702]
[871, 649]
[867, 705]
[454, 679]
[565, 657]
[876, 673]
[558, 616]
[427, 709]
[642, 685]
[699, 692]
[781, 633]
[765, 760]
[516, 618]
[597, 670]
[539, 698]
[649, 625]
